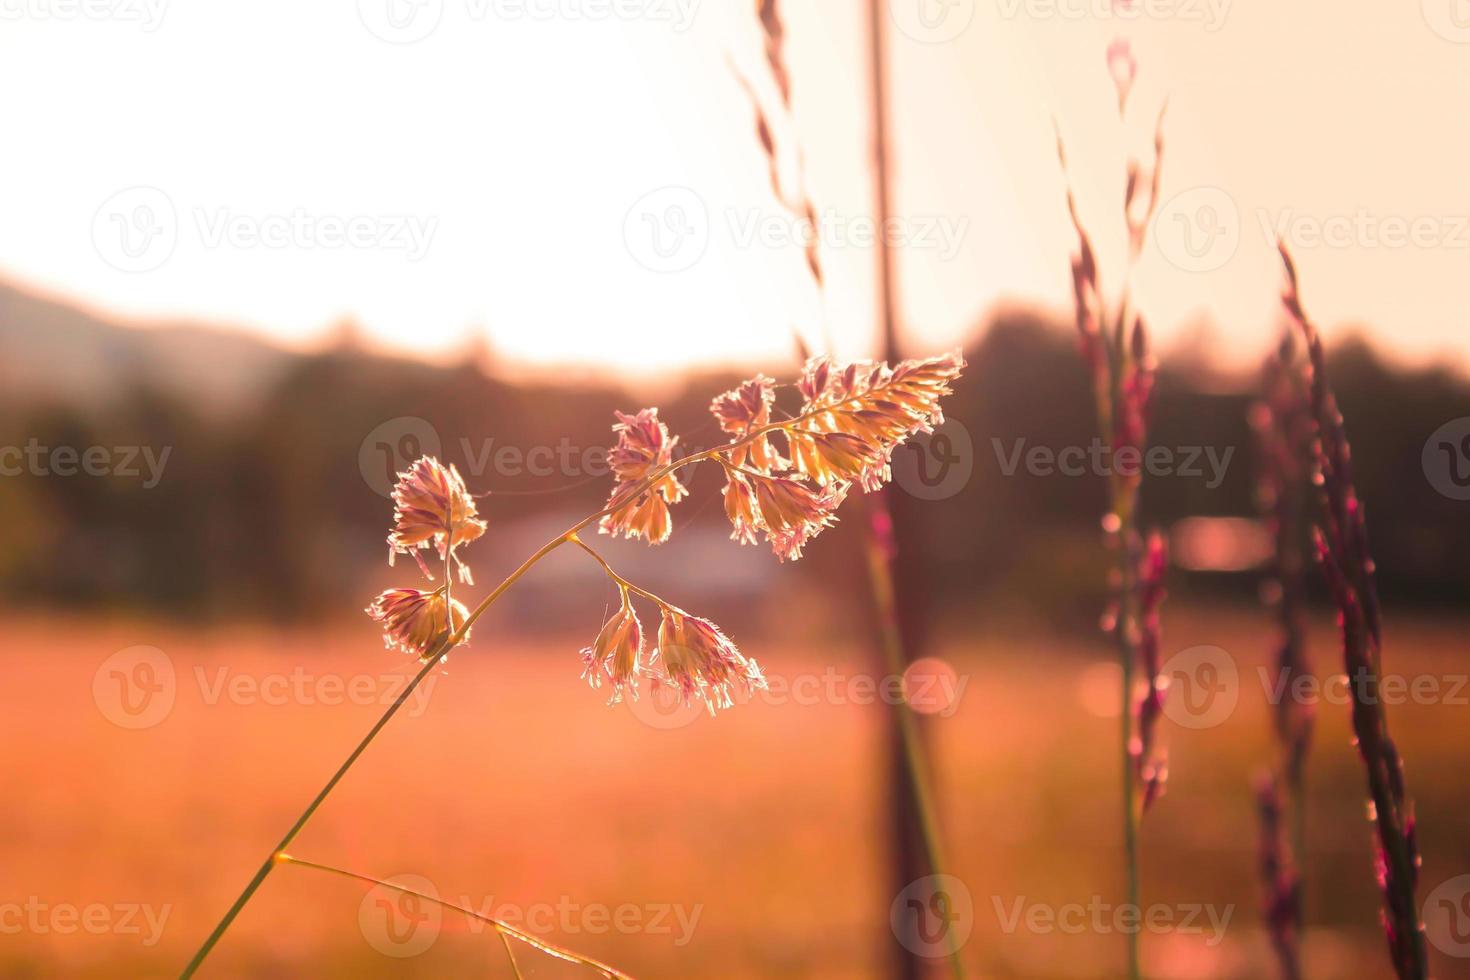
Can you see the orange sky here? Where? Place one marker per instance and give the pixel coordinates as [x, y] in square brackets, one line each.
[580, 178]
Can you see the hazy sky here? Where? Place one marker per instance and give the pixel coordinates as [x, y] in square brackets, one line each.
[580, 177]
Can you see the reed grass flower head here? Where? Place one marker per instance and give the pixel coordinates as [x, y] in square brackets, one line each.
[851, 420]
[638, 508]
[790, 512]
[415, 621]
[853, 417]
[432, 508]
[616, 656]
[700, 663]
[743, 411]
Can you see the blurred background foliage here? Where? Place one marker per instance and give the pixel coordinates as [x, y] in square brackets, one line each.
[264, 507]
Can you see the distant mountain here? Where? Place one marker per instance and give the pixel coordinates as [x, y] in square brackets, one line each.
[52, 349]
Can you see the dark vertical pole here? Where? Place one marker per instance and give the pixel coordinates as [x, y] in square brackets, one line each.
[892, 524]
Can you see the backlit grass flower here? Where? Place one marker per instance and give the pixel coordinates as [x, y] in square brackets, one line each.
[616, 656]
[876, 407]
[432, 508]
[700, 663]
[740, 508]
[834, 457]
[851, 420]
[744, 410]
[415, 621]
[789, 512]
[644, 447]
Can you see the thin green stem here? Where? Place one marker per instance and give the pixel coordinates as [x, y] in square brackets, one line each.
[504, 928]
[880, 580]
[433, 657]
[510, 954]
[621, 582]
[270, 862]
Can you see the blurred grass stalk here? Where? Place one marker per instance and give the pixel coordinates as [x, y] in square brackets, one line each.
[914, 821]
[1115, 347]
[887, 537]
[1341, 538]
[1282, 423]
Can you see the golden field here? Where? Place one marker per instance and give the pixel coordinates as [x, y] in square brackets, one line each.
[743, 846]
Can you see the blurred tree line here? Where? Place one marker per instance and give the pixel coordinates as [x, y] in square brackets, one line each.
[270, 509]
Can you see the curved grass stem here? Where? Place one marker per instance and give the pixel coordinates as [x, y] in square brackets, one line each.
[505, 929]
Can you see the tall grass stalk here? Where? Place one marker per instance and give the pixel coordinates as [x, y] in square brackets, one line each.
[914, 796]
[1114, 344]
[1283, 426]
[1341, 538]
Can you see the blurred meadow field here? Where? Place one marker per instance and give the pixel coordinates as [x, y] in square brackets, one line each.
[736, 847]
